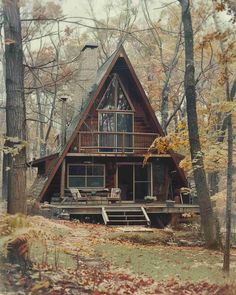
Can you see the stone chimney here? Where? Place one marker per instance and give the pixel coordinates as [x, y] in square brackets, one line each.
[88, 66]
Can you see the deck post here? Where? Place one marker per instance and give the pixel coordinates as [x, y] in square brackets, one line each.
[174, 219]
[62, 182]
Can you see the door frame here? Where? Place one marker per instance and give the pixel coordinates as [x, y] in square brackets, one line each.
[133, 164]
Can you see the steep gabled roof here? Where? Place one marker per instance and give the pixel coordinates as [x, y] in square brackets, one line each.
[102, 75]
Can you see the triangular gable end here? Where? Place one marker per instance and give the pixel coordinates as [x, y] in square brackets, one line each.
[120, 53]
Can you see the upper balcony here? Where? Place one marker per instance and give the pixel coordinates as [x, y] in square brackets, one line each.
[113, 142]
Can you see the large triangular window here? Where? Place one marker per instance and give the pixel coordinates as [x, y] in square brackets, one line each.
[115, 97]
[116, 116]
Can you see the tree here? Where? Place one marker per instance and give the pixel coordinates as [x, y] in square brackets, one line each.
[226, 57]
[15, 109]
[168, 62]
[50, 66]
[229, 189]
[115, 28]
[206, 211]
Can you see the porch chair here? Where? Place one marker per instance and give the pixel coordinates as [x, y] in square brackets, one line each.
[114, 196]
[76, 196]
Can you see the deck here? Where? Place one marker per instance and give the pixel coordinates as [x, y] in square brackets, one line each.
[152, 208]
[114, 142]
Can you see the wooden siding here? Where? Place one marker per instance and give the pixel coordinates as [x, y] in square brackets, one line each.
[110, 174]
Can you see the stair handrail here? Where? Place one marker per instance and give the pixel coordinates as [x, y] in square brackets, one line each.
[146, 216]
[105, 216]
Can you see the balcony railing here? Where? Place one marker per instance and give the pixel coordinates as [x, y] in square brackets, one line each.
[114, 142]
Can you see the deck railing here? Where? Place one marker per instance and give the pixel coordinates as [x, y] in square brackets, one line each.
[114, 142]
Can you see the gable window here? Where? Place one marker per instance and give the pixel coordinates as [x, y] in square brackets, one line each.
[115, 119]
[86, 176]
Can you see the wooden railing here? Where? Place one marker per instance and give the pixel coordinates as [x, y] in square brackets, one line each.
[114, 142]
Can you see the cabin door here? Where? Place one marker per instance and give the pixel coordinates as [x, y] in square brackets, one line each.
[142, 182]
[134, 180]
[125, 181]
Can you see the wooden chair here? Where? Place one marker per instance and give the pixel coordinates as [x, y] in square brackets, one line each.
[76, 196]
[114, 196]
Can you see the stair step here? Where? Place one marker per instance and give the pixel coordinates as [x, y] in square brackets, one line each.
[125, 216]
[125, 212]
[117, 216]
[122, 210]
[128, 221]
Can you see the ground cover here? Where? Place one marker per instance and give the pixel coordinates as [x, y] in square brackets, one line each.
[67, 257]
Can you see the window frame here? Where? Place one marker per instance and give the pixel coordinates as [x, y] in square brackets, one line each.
[116, 133]
[86, 176]
[116, 111]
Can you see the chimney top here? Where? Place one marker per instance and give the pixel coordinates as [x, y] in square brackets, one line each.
[91, 45]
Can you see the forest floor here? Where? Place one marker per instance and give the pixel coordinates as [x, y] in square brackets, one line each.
[68, 257]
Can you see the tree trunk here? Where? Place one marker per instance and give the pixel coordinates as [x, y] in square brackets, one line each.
[208, 220]
[164, 106]
[227, 125]
[229, 188]
[4, 176]
[42, 147]
[226, 264]
[15, 107]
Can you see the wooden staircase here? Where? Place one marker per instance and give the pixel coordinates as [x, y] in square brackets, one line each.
[125, 216]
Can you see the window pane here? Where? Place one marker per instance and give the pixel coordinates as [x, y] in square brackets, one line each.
[93, 181]
[158, 180]
[124, 122]
[108, 100]
[122, 102]
[107, 122]
[141, 173]
[107, 142]
[125, 142]
[76, 170]
[76, 181]
[142, 190]
[95, 170]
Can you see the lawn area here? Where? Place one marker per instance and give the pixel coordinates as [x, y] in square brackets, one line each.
[165, 262]
[74, 258]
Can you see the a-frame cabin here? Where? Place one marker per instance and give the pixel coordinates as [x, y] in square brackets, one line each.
[105, 149]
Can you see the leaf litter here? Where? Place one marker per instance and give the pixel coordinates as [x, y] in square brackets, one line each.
[89, 273]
